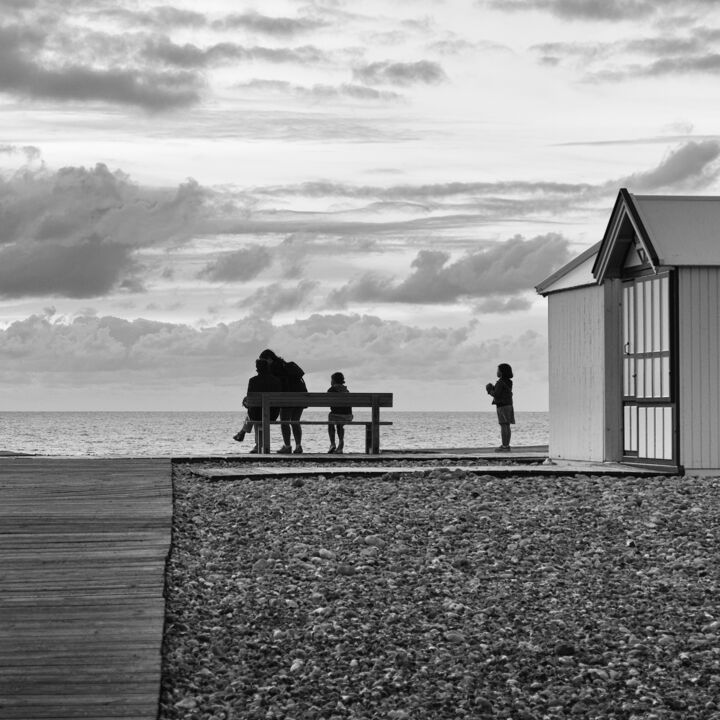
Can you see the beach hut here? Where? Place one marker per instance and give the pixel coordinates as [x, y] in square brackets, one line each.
[634, 338]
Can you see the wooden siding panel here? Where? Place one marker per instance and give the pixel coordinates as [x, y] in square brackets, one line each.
[576, 375]
[699, 367]
[714, 352]
[613, 375]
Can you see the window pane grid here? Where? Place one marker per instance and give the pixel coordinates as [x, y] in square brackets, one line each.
[647, 427]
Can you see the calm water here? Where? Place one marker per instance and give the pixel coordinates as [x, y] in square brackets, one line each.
[159, 434]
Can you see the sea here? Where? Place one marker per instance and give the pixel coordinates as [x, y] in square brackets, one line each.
[184, 434]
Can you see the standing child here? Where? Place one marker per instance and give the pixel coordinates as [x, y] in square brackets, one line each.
[502, 395]
[338, 415]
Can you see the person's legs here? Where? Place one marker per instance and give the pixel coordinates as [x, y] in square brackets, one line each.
[285, 414]
[341, 437]
[297, 429]
[331, 435]
[505, 433]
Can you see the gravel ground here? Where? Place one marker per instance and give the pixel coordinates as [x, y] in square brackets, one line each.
[446, 595]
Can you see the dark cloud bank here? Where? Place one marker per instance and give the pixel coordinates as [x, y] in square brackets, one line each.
[94, 224]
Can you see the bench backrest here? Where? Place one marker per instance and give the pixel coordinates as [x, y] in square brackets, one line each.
[299, 399]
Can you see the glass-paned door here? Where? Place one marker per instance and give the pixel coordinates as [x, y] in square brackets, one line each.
[648, 403]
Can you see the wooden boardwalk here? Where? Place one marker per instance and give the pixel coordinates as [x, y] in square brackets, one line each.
[83, 544]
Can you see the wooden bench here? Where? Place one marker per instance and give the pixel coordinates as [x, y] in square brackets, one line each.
[374, 401]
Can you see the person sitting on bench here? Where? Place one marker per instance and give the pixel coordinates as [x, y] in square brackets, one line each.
[338, 414]
[264, 381]
[291, 377]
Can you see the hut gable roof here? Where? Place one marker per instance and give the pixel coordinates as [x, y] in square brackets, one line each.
[577, 273]
[672, 230]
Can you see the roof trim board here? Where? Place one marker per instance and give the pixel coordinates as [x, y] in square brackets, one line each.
[615, 242]
[545, 286]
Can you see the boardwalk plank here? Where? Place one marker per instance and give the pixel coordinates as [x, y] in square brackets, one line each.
[83, 544]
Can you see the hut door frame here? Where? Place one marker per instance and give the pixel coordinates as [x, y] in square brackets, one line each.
[649, 403]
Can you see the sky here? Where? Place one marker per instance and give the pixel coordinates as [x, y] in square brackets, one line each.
[368, 187]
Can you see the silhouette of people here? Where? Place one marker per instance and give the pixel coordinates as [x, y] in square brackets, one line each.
[264, 381]
[502, 395]
[338, 414]
[291, 378]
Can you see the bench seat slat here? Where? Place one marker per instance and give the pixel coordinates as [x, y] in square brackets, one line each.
[325, 422]
[294, 399]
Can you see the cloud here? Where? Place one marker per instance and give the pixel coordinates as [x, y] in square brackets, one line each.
[690, 165]
[99, 344]
[504, 268]
[276, 26]
[162, 17]
[455, 45]
[91, 223]
[41, 208]
[238, 266]
[707, 63]
[142, 354]
[500, 305]
[607, 10]
[30, 152]
[77, 202]
[399, 73]
[88, 269]
[318, 91]
[628, 59]
[21, 73]
[276, 298]
[192, 56]
[319, 188]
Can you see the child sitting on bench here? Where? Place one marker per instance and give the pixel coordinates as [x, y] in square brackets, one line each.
[338, 415]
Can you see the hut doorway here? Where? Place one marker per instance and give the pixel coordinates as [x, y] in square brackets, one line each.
[648, 402]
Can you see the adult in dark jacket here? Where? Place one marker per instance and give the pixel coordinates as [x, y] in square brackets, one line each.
[264, 381]
[502, 394]
[291, 377]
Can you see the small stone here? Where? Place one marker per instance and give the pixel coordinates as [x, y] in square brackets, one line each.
[563, 648]
[296, 665]
[675, 703]
[345, 569]
[375, 541]
[326, 554]
[187, 704]
[483, 704]
[455, 637]
[259, 566]
[298, 482]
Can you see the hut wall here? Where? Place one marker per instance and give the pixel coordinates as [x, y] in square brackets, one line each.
[699, 367]
[576, 340]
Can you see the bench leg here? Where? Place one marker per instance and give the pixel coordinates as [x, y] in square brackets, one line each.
[368, 438]
[265, 446]
[375, 428]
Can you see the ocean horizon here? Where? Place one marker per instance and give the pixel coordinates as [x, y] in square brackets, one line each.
[178, 433]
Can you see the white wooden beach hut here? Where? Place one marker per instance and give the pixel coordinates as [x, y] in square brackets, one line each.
[634, 338]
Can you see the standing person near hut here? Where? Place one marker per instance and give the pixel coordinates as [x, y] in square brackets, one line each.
[291, 377]
[502, 395]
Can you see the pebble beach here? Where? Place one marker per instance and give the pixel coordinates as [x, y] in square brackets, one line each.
[446, 594]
